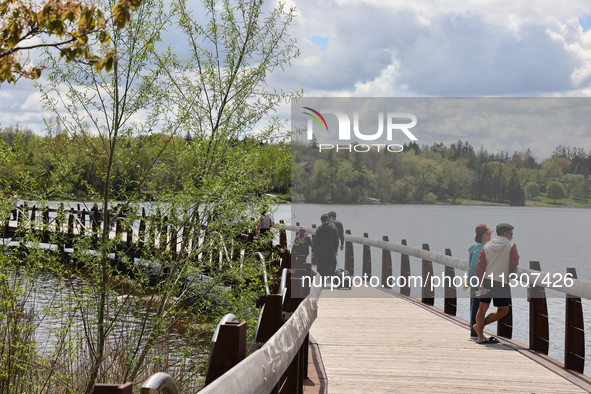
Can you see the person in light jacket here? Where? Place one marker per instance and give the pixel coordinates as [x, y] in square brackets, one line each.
[497, 259]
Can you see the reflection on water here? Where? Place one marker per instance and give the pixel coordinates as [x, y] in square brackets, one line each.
[65, 309]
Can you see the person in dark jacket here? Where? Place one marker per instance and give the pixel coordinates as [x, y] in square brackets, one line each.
[326, 244]
[339, 226]
[302, 244]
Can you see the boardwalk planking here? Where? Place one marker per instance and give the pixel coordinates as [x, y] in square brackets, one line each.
[388, 345]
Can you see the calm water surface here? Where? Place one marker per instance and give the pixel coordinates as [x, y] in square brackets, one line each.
[556, 237]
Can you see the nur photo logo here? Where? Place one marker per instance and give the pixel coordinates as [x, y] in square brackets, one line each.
[390, 124]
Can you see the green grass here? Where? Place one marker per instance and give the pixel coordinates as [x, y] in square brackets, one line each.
[540, 201]
[543, 201]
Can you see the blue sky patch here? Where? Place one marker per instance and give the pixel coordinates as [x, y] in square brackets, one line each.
[585, 22]
[320, 42]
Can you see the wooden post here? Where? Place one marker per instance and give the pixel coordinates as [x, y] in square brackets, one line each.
[366, 258]
[142, 231]
[173, 243]
[386, 264]
[450, 293]
[427, 292]
[349, 255]
[20, 216]
[304, 367]
[100, 388]
[296, 291]
[163, 234]
[574, 333]
[59, 219]
[405, 271]
[108, 216]
[505, 325]
[45, 236]
[70, 232]
[95, 225]
[33, 210]
[291, 382]
[229, 350]
[83, 220]
[282, 236]
[271, 317]
[129, 235]
[539, 335]
[118, 229]
[71, 223]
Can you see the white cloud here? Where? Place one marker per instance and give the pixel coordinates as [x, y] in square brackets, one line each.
[422, 48]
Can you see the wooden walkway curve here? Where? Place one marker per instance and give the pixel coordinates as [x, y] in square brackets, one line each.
[372, 342]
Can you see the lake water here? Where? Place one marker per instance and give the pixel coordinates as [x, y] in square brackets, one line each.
[556, 237]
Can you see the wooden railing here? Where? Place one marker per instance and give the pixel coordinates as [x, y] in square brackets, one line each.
[574, 338]
[279, 358]
[279, 364]
[61, 227]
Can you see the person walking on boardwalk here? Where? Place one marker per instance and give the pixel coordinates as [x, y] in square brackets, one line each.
[339, 226]
[497, 259]
[265, 221]
[482, 237]
[302, 244]
[325, 247]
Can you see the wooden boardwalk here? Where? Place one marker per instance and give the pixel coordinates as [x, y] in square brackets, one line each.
[377, 343]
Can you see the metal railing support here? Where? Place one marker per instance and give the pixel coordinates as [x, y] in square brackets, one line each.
[159, 383]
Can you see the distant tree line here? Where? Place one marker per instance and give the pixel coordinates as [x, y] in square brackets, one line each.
[418, 174]
[425, 174]
[36, 159]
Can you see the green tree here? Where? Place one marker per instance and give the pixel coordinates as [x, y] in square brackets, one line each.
[457, 177]
[555, 191]
[430, 198]
[140, 115]
[576, 186]
[515, 193]
[404, 190]
[66, 25]
[428, 173]
[318, 189]
[556, 166]
[532, 190]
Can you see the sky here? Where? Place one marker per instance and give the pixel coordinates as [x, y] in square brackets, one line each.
[377, 48]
